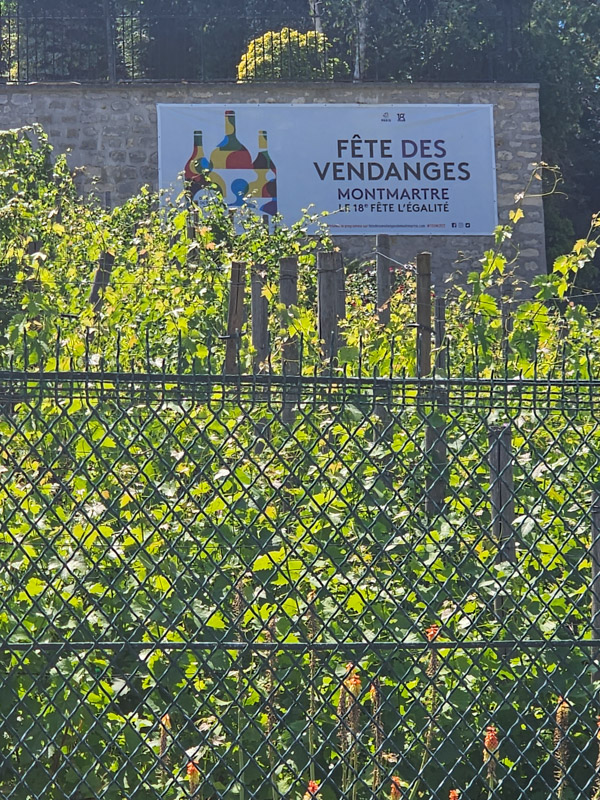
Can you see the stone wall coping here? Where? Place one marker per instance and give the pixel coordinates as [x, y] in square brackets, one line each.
[267, 85]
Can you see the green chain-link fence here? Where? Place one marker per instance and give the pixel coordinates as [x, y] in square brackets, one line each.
[256, 587]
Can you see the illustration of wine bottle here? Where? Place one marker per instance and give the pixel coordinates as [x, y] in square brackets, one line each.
[232, 162]
[198, 174]
[194, 173]
[265, 186]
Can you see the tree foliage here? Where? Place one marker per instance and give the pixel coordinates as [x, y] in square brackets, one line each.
[288, 54]
[551, 42]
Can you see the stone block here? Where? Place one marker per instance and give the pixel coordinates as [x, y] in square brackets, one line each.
[529, 252]
[88, 145]
[21, 99]
[137, 156]
[121, 105]
[149, 175]
[531, 227]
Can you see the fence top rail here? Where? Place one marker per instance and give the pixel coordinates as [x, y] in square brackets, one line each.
[347, 646]
[334, 378]
[483, 393]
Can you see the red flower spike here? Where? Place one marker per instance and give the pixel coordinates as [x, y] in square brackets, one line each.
[193, 777]
[395, 789]
[490, 741]
[432, 632]
[313, 789]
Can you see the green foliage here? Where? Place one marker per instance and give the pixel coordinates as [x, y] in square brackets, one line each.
[33, 193]
[160, 518]
[288, 54]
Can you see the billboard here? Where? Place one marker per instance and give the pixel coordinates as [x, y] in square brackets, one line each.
[398, 169]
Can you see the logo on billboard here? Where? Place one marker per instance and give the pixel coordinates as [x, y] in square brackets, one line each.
[237, 177]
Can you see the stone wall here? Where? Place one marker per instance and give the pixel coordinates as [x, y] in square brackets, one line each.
[112, 132]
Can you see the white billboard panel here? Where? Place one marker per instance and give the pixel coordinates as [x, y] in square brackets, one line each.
[398, 169]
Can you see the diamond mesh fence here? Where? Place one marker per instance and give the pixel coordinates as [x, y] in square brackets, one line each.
[259, 587]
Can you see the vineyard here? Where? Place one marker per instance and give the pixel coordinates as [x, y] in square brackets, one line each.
[364, 565]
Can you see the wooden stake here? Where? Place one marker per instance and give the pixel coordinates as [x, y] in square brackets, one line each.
[384, 282]
[435, 443]
[500, 460]
[235, 316]
[288, 296]
[439, 333]
[329, 305]
[259, 310]
[423, 315]
[595, 581]
[101, 281]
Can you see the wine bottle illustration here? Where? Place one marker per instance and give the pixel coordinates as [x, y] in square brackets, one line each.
[198, 174]
[265, 186]
[232, 163]
[197, 164]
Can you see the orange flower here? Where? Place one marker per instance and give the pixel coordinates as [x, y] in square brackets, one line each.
[562, 714]
[432, 632]
[490, 745]
[193, 777]
[561, 743]
[313, 789]
[395, 793]
[352, 681]
[490, 742]
[454, 794]
[165, 727]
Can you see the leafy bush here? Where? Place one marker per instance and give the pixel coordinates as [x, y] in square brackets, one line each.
[288, 54]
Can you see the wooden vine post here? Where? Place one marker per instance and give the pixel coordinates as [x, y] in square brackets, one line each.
[500, 459]
[384, 283]
[330, 300]
[288, 297]
[259, 313]
[595, 578]
[235, 316]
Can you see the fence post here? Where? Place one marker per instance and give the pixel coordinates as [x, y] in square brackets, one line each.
[111, 49]
[384, 284]
[595, 581]
[340, 293]
[502, 501]
[101, 281]
[507, 327]
[329, 304]
[288, 296]
[439, 335]
[423, 315]
[259, 311]
[235, 316]
[435, 443]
